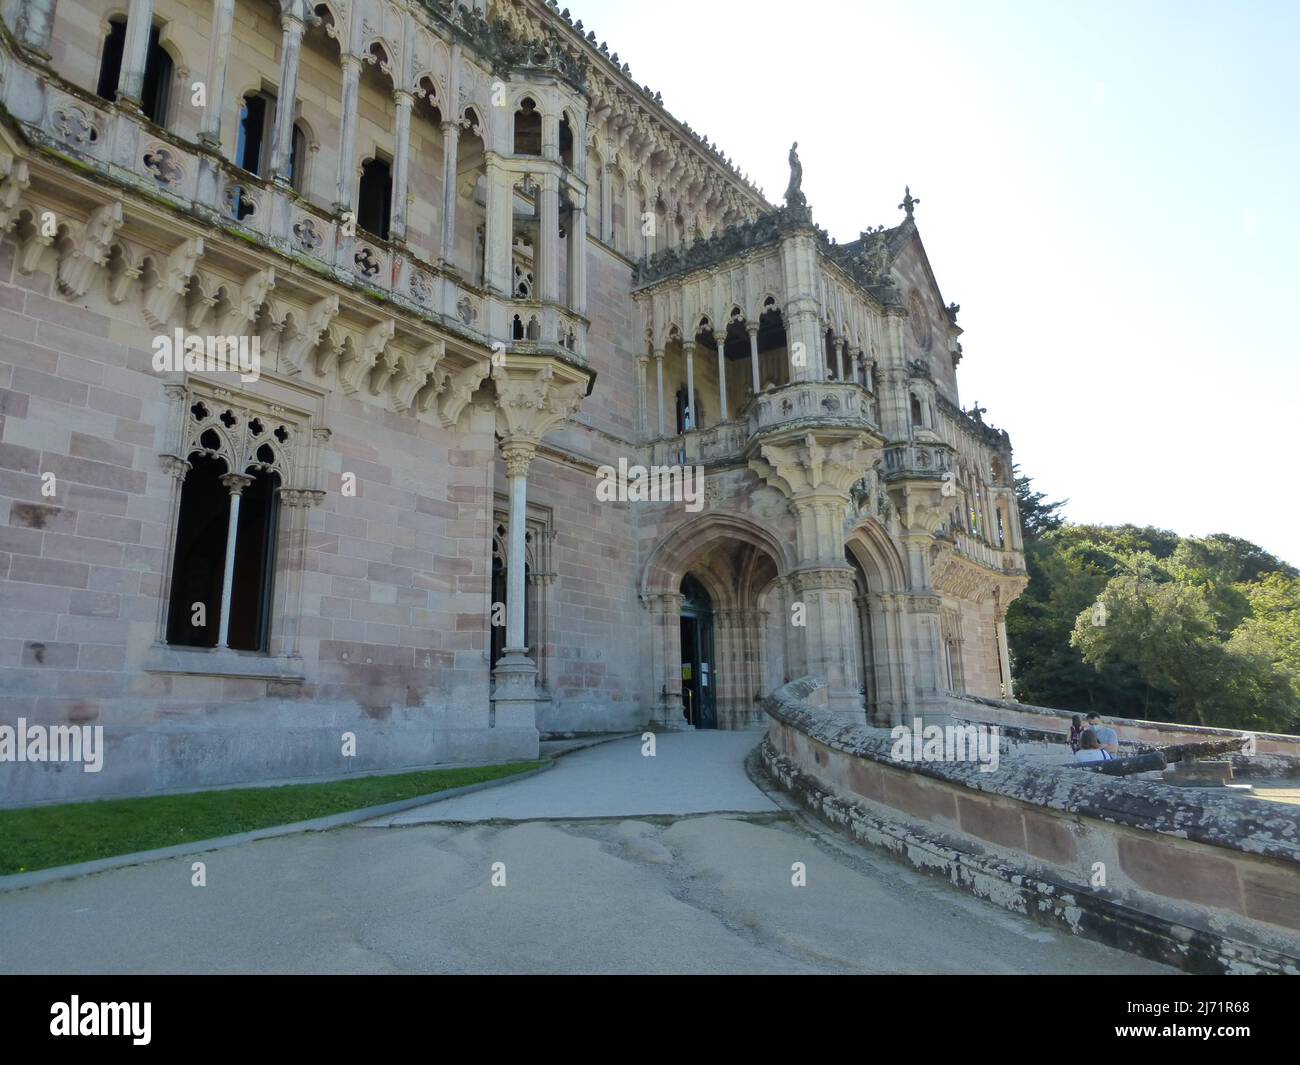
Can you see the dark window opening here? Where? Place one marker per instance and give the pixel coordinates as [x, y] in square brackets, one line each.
[298, 159]
[253, 585]
[528, 128]
[499, 589]
[566, 142]
[198, 567]
[110, 63]
[199, 561]
[375, 197]
[253, 132]
[156, 93]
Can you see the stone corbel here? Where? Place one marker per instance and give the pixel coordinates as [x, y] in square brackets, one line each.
[535, 395]
[252, 294]
[14, 179]
[416, 369]
[354, 369]
[122, 275]
[812, 465]
[455, 389]
[297, 348]
[173, 278]
[81, 255]
[32, 240]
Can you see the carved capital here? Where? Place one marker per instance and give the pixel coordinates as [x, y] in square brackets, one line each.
[518, 455]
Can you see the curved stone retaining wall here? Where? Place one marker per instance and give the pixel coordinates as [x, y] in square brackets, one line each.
[1276, 754]
[1206, 881]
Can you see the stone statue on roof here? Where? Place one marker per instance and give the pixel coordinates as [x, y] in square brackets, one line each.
[794, 196]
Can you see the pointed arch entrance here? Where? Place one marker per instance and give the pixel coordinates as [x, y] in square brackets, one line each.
[715, 590]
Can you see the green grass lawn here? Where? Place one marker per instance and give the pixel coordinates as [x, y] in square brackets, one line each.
[44, 836]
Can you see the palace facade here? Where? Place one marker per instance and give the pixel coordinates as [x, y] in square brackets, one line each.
[318, 324]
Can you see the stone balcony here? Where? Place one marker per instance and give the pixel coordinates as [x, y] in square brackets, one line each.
[127, 150]
[788, 409]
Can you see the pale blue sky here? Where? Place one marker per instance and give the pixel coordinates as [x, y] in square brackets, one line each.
[1111, 191]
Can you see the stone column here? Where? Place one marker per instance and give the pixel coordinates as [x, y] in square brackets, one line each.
[35, 24]
[497, 256]
[839, 358]
[344, 193]
[549, 240]
[752, 329]
[606, 205]
[292, 30]
[533, 395]
[401, 162]
[722, 376]
[135, 53]
[515, 693]
[830, 635]
[688, 347]
[659, 380]
[235, 484]
[577, 262]
[642, 397]
[223, 20]
[450, 145]
[177, 469]
[1004, 657]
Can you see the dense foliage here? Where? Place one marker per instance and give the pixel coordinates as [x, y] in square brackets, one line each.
[1142, 622]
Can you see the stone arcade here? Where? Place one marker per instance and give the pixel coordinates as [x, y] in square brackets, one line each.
[479, 263]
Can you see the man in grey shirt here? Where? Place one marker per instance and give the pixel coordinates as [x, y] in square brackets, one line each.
[1108, 737]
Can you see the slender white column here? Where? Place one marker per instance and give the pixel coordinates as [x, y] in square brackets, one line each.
[401, 162]
[549, 239]
[498, 229]
[223, 20]
[722, 375]
[606, 205]
[659, 376]
[235, 483]
[517, 457]
[450, 144]
[135, 52]
[35, 24]
[753, 355]
[839, 358]
[689, 348]
[282, 138]
[577, 262]
[345, 186]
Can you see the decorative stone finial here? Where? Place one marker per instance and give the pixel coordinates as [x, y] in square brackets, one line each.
[909, 201]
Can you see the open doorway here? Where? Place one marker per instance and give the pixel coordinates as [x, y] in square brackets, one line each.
[699, 673]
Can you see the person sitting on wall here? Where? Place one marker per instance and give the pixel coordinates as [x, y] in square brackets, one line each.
[1108, 736]
[1076, 731]
[1090, 748]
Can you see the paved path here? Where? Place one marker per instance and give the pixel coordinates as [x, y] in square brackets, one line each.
[690, 773]
[673, 893]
